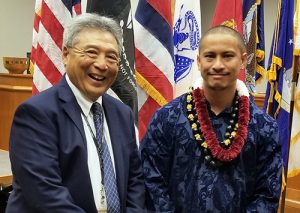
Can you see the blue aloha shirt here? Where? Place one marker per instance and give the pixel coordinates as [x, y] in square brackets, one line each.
[179, 180]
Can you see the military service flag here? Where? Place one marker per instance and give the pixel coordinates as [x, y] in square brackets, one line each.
[294, 152]
[253, 28]
[229, 13]
[278, 93]
[186, 37]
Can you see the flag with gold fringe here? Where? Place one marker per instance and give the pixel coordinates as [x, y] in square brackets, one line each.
[278, 93]
[260, 43]
[294, 152]
[166, 37]
[154, 51]
[253, 28]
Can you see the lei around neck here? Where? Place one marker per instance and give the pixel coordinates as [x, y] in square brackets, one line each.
[217, 152]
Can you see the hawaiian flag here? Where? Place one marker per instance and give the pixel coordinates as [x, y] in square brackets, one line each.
[165, 52]
[124, 88]
[278, 93]
[50, 19]
[229, 13]
[154, 61]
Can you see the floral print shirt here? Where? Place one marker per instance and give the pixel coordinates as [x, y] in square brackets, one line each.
[179, 180]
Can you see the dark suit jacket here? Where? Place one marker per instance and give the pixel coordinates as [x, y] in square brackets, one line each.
[49, 155]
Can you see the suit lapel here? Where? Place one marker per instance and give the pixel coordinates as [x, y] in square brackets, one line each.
[70, 106]
[73, 111]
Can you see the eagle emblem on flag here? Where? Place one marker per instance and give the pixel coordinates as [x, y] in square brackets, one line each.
[186, 39]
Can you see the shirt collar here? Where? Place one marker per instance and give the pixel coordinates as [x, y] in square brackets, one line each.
[227, 110]
[83, 102]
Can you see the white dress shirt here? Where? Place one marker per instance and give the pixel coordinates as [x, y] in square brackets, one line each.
[92, 153]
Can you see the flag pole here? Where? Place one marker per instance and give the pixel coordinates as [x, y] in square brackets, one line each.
[296, 70]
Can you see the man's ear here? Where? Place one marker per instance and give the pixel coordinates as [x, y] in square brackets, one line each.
[244, 60]
[198, 61]
[65, 53]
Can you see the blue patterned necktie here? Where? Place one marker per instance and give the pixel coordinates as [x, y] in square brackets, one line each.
[110, 186]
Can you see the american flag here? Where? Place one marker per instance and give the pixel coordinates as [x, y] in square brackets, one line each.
[154, 50]
[50, 19]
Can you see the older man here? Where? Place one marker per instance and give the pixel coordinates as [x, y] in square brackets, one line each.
[73, 147]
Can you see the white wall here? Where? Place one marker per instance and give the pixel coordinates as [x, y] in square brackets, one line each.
[16, 22]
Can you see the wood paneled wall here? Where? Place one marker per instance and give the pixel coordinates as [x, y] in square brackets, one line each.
[14, 89]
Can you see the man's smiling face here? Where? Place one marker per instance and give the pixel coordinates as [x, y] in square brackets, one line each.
[92, 62]
[220, 60]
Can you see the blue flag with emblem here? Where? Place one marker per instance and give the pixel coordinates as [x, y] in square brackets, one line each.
[278, 93]
[253, 28]
[260, 42]
[294, 156]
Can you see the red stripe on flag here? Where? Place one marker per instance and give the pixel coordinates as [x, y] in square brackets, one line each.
[33, 55]
[36, 22]
[47, 67]
[34, 89]
[77, 8]
[145, 114]
[52, 25]
[164, 9]
[153, 75]
[48, 18]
